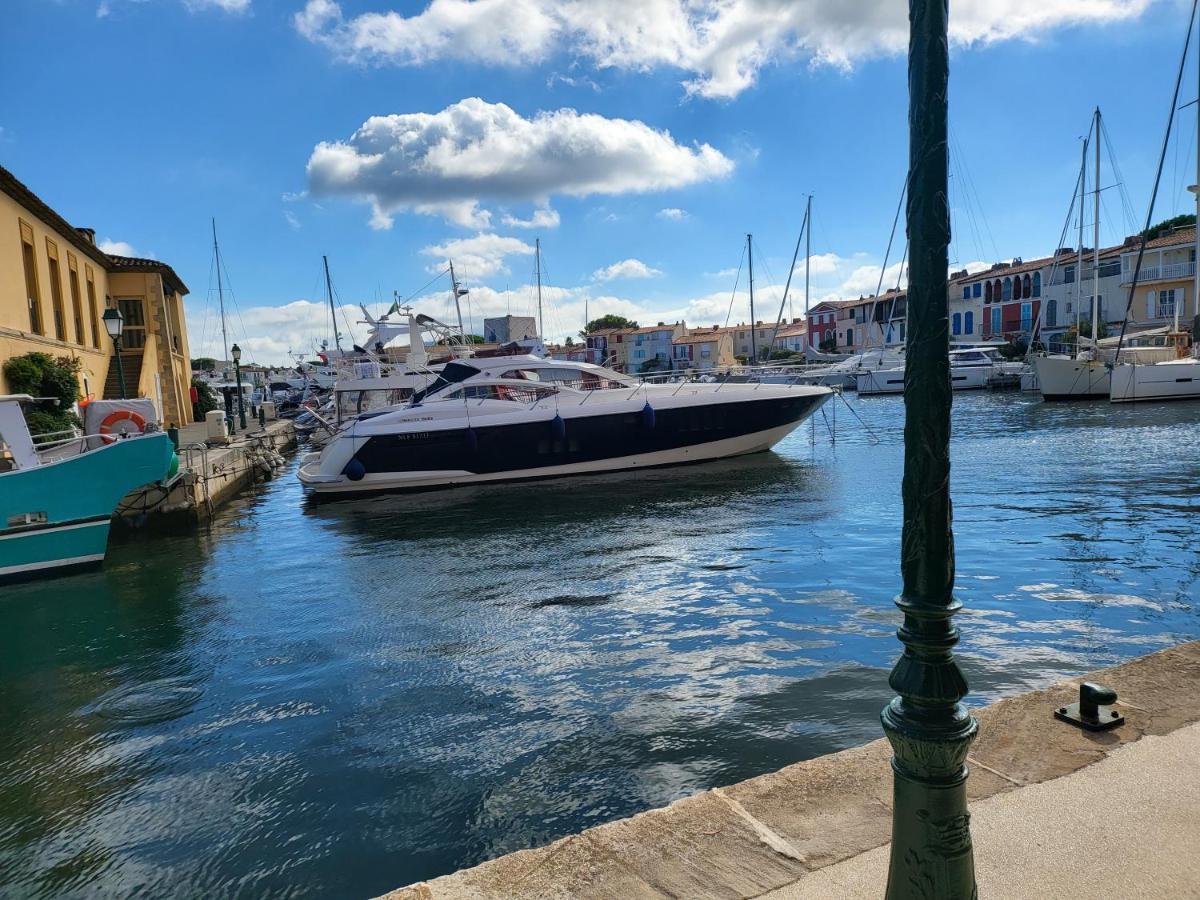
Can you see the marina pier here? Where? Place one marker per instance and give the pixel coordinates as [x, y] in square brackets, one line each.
[1062, 812]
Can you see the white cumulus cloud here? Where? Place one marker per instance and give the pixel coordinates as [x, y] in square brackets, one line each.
[116, 248]
[476, 257]
[543, 217]
[673, 213]
[447, 162]
[718, 45]
[626, 268]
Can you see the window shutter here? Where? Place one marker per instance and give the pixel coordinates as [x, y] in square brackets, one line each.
[1149, 304]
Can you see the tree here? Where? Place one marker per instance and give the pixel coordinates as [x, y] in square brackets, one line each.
[204, 364]
[829, 345]
[206, 400]
[609, 321]
[41, 375]
[569, 342]
[1167, 225]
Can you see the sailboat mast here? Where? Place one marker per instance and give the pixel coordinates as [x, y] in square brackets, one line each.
[337, 338]
[457, 305]
[750, 254]
[537, 249]
[1079, 253]
[808, 256]
[220, 292]
[1096, 241]
[1196, 190]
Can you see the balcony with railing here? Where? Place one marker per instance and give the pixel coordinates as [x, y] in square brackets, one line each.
[1165, 272]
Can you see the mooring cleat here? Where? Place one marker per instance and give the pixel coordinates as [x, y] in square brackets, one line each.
[1094, 711]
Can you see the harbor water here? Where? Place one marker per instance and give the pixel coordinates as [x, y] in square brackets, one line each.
[336, 700]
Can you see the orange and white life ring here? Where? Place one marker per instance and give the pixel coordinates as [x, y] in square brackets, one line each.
[121, 422]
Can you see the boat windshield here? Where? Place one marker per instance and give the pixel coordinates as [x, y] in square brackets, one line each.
[516, 393]
[452, 373]
[581, 379]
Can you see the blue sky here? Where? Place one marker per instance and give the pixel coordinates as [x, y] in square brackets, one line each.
[144, 118]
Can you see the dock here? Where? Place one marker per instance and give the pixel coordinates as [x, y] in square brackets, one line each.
[1056, 811]
[211, 473]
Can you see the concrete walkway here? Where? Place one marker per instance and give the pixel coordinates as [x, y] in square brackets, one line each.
[1127, 826]
[1057, 812]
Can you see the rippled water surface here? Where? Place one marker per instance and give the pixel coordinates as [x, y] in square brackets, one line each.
[339, 700]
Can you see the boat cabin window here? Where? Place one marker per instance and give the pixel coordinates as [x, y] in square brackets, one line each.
[513, 392]
[580, 379]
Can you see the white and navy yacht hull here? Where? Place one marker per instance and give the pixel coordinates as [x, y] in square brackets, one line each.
[455, 443]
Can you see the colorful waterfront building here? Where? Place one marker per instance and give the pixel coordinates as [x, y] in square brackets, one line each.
[704, 348]
[1165, 281]
[55, 285]
[649, 349]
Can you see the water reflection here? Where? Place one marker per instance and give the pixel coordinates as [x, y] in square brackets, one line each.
[338, 699]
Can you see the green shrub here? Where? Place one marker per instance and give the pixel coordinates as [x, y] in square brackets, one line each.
[207, 400]
[41, 375]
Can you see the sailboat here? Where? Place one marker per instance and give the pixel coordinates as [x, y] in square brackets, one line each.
[1178, 378]
[1083, 376]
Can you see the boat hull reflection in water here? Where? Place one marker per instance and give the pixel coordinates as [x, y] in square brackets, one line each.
[523, 417]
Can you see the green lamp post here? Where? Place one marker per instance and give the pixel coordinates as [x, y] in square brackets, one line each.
[236, 352]
[114, 324]
[927, 725]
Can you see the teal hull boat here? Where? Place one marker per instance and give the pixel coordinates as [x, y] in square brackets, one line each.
[56, 505]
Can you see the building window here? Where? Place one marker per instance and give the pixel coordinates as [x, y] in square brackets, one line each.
[966, 292]
[33, 301]
[56, 294]
[956, 324]
[76, 298]
[704, 351]
[1165, 306]
[1026, 287]
[93, 310]
[1007, 289]
[996, 326]
[987, 293]
[902, 331]
[1026, 316]
[1069, 275]
[969, 322]
[1111, 268]
[1037, 283]
[850, 336]
[1051, 313]
[976, 288]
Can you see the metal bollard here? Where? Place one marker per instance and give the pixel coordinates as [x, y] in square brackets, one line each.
[173, 434]
[262, 417]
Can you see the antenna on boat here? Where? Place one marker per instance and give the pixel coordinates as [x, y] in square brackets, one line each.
[457, 306]
[537, 249]
[220, 293]
[807, 254]
[750, 255]
[337, 340]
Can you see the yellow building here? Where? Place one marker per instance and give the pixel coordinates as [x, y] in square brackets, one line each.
[55, 284]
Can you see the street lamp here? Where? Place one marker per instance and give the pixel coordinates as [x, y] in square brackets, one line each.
[114, 324]
[236, 352]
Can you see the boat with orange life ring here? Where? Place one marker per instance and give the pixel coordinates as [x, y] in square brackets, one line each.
[119, 423]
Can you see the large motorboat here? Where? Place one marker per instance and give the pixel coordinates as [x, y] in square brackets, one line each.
[844, 374]
[521, 417]
[970, 369]
[57, 499]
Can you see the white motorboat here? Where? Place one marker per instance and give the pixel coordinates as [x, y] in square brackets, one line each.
[1172, 379]
[970, 369]
[844, 374]
[521, 417]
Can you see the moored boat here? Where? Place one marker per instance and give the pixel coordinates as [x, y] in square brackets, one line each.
[523, 417]
[57, 500]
